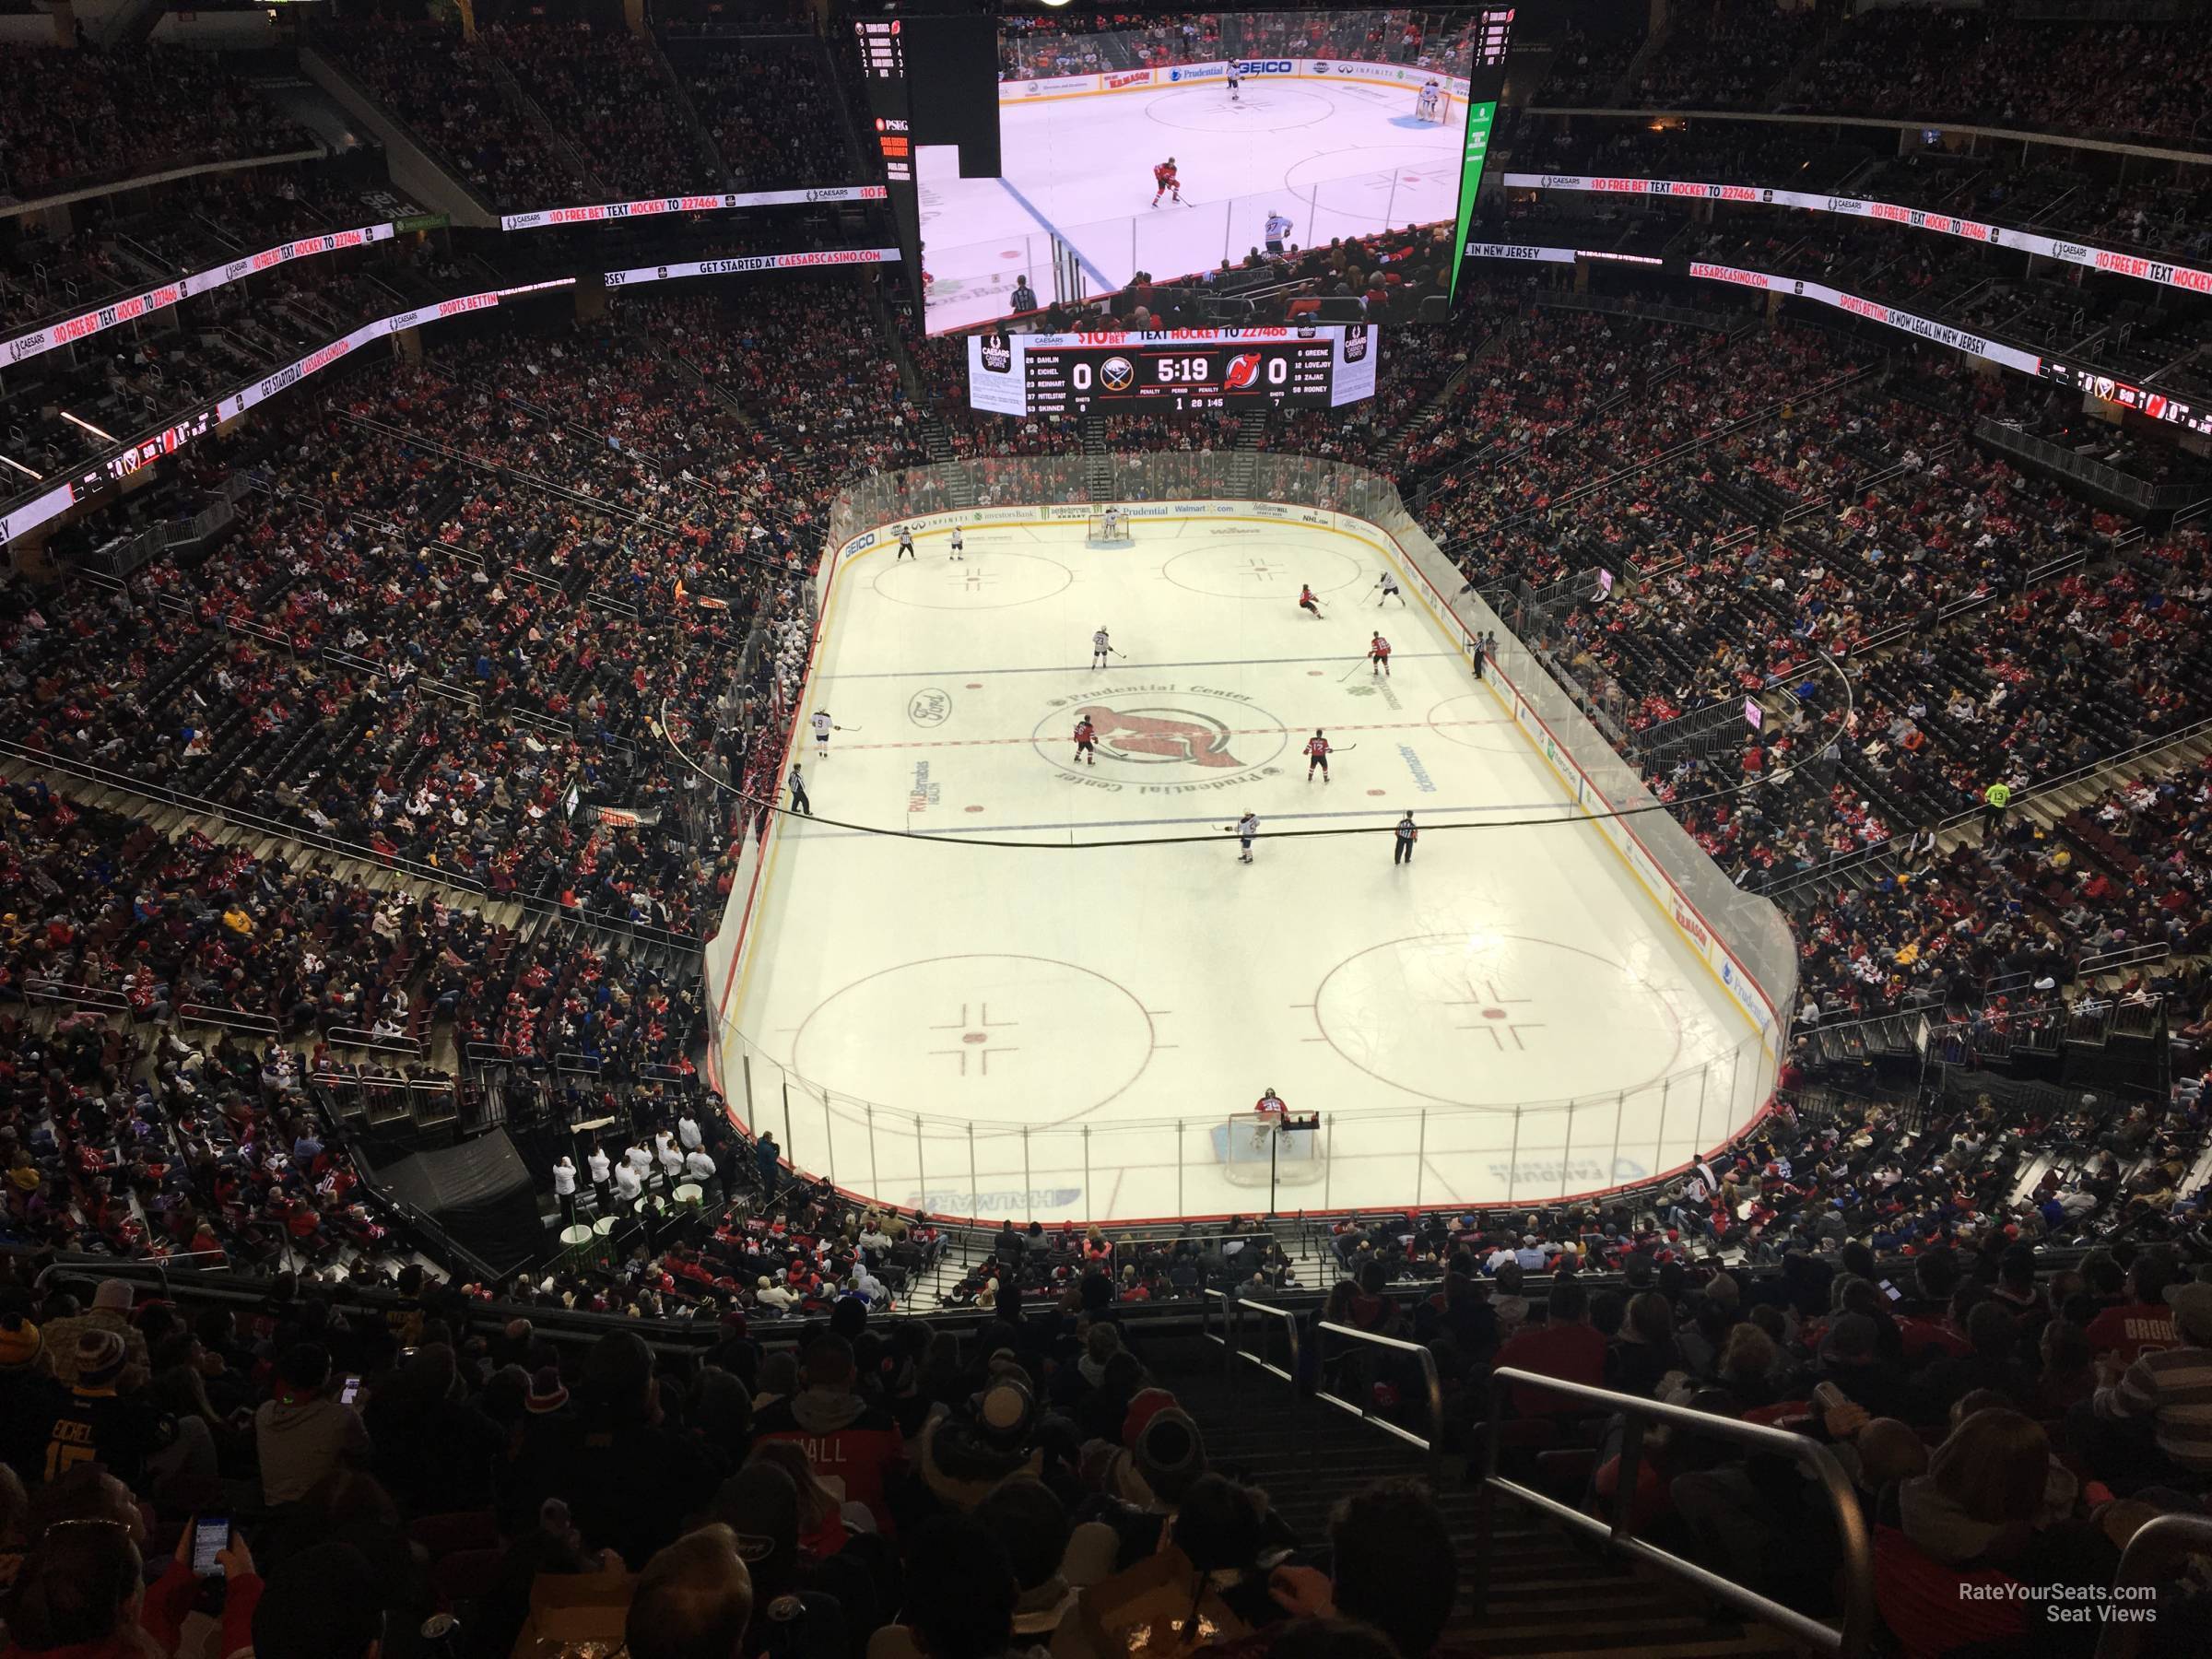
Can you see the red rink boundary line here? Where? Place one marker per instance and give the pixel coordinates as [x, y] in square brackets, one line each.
[1273, 731]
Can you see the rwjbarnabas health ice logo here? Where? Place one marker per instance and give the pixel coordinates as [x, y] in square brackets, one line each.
[1160, 738]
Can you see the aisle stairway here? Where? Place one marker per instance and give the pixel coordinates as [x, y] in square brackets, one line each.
[1547, 1595]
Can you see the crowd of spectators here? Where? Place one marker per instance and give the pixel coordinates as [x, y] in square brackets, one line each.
[1725, 54]
[72, 117]
[774, 119]
[1911, 63]
[447, 91]
[2006, 1416]
[604, 91]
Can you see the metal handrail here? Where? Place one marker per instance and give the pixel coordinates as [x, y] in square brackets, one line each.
[1432, 1387]
[1232, 1306]
[2123, 1638]
[1618, 1534]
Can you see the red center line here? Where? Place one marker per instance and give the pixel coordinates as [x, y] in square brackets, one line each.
[1388, 726]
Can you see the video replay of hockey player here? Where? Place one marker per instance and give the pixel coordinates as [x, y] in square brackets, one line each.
[1204, 139]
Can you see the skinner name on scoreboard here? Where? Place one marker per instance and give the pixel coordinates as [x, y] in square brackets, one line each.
[1319, 366]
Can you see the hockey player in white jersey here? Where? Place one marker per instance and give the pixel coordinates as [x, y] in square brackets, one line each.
[906, 543]
[1101, 649]
[822, 728]
[959, 544]
[1389, 584]
[1245, 830]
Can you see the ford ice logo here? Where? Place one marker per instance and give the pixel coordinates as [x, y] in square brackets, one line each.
[1117, 374]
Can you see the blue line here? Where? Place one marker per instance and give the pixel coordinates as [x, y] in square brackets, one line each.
[1052, 229]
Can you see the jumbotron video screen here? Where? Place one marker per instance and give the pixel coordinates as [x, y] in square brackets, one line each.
[1196, 142]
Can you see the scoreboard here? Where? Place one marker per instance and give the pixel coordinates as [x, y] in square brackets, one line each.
[1316, 368]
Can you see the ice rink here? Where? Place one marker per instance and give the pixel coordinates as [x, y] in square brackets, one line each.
[1031, 1017]
[1335, 157]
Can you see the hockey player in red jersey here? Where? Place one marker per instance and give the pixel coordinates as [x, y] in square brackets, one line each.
[1086, 738]
[1306, 602]
[1317, 754]
[1165, 182]
[1378, 656]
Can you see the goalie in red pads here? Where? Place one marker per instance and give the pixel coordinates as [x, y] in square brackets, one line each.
[1165, 182]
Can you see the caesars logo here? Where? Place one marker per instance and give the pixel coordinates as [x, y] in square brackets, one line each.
[1162, 739]
[998, 353]
[1355, 342]
[28, 346]
[1117, 374]
[2073, 252]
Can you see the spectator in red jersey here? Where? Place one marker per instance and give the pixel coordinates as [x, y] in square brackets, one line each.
[2144, 1320]
[842, 1434]
[1565, 1346]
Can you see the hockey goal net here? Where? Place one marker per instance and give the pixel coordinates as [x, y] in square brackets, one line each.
[1109, 528]
[1259, 1146]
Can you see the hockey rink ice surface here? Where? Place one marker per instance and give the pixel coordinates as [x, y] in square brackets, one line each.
[1337, 159]
[912, 1008]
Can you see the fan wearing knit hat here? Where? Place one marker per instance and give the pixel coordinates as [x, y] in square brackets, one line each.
[963, 1457]
[99, 1421]
[111, 1310]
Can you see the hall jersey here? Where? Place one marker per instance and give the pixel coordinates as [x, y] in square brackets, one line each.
[1318, 747]
[1381, 646]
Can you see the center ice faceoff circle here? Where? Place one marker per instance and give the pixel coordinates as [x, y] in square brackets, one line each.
[1254, 568]
[983, 1038]
[1162, 736]
[1496, 1019]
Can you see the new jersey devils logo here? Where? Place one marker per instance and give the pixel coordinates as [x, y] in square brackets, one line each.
[1170, 736]
[1243, 373]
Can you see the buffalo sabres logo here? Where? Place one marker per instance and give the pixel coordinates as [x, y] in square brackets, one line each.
[1117, 374]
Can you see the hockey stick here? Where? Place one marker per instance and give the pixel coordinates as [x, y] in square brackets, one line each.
[1350, 672]
[1345, 748]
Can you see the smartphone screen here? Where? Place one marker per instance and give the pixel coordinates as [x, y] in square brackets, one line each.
[350, 1391]
[211, 1536]
[1892, 1291]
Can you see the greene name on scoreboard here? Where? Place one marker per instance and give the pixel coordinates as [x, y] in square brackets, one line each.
[1319, 366]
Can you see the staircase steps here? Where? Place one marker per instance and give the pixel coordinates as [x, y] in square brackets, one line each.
[1550, 1597]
